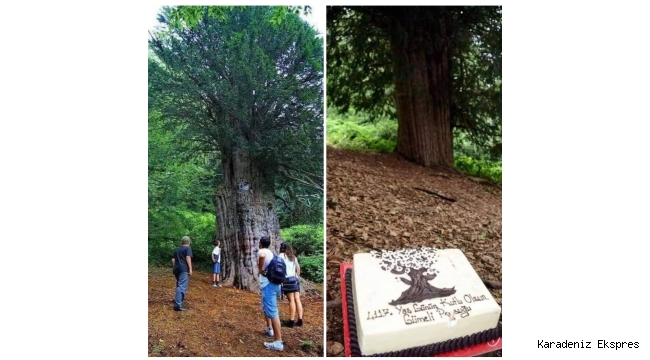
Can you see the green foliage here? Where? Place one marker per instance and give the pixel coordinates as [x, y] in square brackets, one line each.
[238, 83]
[311, 268]
[306, 345]
[180, 195]
[296, 204]
[178, 177]
[168, 226]
[158, 348]
[353, 131]
[359, 73]
[280, 13]
[477, 160]
[360, 68]
[465, 146]
[189, 16]
[486, 169]
[306, 240]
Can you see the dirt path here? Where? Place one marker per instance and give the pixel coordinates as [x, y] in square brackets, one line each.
[223, 321]
[373, 202]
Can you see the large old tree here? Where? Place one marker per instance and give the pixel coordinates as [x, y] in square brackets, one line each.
[434, 68]
[248, 88]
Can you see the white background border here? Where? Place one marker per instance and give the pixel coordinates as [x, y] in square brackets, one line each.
[73, 143]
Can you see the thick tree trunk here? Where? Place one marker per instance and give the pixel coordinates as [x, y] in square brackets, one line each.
[421, 64]
[245, 213]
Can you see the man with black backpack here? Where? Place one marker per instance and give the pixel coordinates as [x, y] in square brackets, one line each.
[272, 271]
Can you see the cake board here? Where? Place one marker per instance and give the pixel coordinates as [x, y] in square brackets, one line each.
[475, 350]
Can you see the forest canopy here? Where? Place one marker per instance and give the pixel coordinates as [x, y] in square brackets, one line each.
[375, 53]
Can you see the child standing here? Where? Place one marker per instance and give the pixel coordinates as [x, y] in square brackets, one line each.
[216, 264]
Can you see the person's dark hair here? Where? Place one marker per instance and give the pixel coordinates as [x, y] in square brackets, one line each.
[286, 248]
[265, 242]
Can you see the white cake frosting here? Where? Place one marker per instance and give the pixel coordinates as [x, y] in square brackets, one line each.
[410, 298]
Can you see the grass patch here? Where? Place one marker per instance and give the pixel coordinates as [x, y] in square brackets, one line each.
[486, 169]
[157, 349]
[306, 345]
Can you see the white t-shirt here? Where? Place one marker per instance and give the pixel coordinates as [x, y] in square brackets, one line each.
[268, 256]
[291, 265]
[217, 253]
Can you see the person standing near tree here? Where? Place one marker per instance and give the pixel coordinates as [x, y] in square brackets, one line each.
[216, 264]
[291, 286]
[182, 263]
[270, 292]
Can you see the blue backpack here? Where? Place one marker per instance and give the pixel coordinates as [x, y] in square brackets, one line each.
[276, 271]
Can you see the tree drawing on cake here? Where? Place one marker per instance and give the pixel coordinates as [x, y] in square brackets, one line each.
[419, 265]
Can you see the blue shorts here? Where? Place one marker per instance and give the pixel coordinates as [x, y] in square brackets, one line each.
[216, 268]
[270, 295]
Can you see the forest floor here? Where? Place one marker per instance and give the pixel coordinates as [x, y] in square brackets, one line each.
[373, 203]
[223, 321]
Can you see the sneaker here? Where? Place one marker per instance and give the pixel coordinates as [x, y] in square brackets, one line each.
[180, 309]
[219, 285]
[299, 323]
[214, 283]
[269, 332]
[276, 345]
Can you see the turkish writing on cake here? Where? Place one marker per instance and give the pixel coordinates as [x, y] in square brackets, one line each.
[422, 301]
[442, 309]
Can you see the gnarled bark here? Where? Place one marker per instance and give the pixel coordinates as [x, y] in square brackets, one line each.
[245, 213]
[422, 70]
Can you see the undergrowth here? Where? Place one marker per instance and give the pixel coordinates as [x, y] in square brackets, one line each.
[354, 131]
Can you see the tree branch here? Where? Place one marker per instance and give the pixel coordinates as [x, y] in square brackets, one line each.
[284, 201]
[436, 194]
[300, 171]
